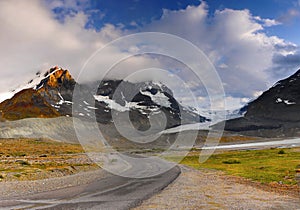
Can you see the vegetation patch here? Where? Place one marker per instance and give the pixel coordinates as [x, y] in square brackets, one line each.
[30, 159]
[231, 162]
[237, 138]
[265, 166]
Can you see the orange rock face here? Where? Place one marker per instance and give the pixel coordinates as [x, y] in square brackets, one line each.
[26, 103]
[58, 77]
[37, 103]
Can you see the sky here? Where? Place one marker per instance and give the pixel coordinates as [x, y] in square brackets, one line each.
[251, 43]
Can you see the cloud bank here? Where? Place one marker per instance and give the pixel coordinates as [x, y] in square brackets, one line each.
[248, 60]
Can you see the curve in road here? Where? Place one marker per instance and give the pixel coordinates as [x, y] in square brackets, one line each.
[111, 192]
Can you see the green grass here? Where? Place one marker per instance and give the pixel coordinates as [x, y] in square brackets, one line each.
[265, 166]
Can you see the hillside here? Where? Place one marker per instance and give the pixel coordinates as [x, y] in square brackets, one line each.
[27, 103]
[273, 114]
[51, 95]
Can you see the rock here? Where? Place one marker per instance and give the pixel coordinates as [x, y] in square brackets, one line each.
[273, 114]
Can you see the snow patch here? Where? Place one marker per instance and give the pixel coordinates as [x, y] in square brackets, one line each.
[159, 98]
[4, 96]
[287, 102]
[118, 107]
[55, 106]
[292, 80]
[91, 107]
[63, 101]
[68, 102]
[86, 109]
[111, 103]
[33, 83]
[195, 126]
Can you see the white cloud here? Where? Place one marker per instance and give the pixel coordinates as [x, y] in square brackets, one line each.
[34, 40]
[31, 39]
[234, 40]
[243, 54]
[266, 22]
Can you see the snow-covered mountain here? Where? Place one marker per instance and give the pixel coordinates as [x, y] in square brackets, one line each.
[220, 115]
[50, 94]
[142, 100]
[39, 97]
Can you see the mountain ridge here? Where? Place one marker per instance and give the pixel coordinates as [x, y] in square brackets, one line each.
[275, 113]
[53, 91]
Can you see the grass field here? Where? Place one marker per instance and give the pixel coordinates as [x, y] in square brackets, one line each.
[30, 159]
[265, 166]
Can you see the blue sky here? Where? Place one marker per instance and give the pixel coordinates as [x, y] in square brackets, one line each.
[140, 12]
[273, 9]
[123, 12]
[251, 43]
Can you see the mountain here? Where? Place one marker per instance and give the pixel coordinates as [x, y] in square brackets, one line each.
[273, 114]
[41, 97]
[51, 94]
[219, 115]
[144, 100]
[27, 103]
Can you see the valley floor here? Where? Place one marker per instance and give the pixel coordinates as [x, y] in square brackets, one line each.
[210, 189]
[35, 159]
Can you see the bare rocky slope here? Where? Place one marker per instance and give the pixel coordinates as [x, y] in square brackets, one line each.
[276, 113]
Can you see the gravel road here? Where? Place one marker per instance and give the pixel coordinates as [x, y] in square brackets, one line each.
[193, 189]
[205, 189]
[102, 191]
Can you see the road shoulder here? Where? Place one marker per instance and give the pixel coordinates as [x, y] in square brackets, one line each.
[22, 188]
[208, 189]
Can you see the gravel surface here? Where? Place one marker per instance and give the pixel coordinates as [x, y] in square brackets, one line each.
[193, 189]
[205, 189]
[38, 168]
[21, 188]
